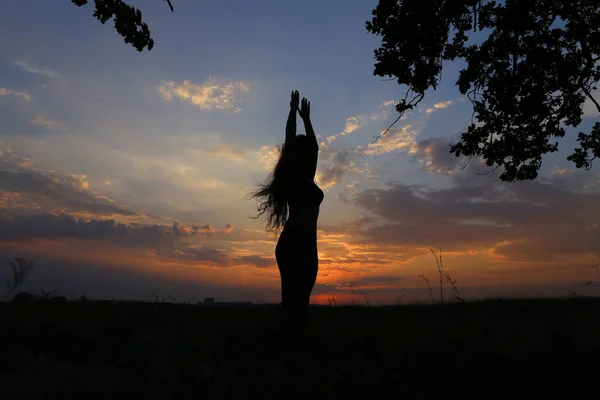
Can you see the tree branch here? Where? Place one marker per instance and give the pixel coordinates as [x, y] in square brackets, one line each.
[590, 163]
[588, 94]
[420, 96]
[492, 171]
[585, 50]
[171, 6]
[467, 164]
[390, 127]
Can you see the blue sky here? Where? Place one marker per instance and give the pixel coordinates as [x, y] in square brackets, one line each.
[178, 136]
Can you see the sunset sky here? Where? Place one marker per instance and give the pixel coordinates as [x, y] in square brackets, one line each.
[126, 173]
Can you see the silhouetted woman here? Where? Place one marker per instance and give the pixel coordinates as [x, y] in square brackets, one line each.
[291, 186]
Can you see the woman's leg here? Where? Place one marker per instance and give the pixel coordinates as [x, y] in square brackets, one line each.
[297, 260]
[310, 271]
[294, 304]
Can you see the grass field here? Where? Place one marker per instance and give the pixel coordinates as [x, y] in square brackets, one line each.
[488, 349]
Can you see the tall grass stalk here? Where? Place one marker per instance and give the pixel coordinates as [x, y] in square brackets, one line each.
[443, 276]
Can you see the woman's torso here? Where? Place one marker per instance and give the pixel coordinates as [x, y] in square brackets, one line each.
[304, 202]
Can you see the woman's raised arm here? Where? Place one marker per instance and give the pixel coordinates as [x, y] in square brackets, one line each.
[290, 127]
[305, 115]
[310, 134]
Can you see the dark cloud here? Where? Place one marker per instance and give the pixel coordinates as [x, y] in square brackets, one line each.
[204, 254]
[337, 165]
[256, 260]
[204, 229]
[436, 152]
[23, 227]
[341, 197]
[219, 258]
[538, 219]
[353, 260]
[162, 241]
[180, 230]
[38, 189]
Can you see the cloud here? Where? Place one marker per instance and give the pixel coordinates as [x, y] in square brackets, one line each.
[356, 122]
[234, 153]
[268, 156]
[219, 257]
[46, 225]
[8, 92]
[352, 125]
[263, 157]
[166, 242]
[336, 167]
[38, 71]
[228, 228]
[27, 188]
[437, 156]
[209, 95]
[438, 106]
[257, 261]
[546, 219]
[434, 152]
[180, 230]
[205, 229]
[402, 139]
[44, 122]
[204, 254]
[388, 103]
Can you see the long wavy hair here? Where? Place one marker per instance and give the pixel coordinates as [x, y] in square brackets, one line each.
[272, 194]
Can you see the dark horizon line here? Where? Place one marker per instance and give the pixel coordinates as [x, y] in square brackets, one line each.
[82, 299]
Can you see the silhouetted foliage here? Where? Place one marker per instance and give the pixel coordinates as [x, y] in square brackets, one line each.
[527, 80]
[128, 21]
[23, 297]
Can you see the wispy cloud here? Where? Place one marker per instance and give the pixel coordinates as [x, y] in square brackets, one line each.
[402, 139]
[268, 156]
[352, 124]
[336, 166]
[38, 71]
[27, 187]
[356, 122]
[435, 153]
[44, 122]
[8, 92]
[209, 95]
[438, 106]
[234, 153]
[388, 103]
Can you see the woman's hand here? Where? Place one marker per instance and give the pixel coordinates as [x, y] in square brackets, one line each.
[305, 110]
[295, 100]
